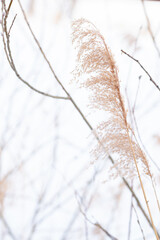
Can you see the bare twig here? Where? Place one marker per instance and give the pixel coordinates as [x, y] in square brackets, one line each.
[9, 6]
[6, 41]
[130, 215]
[150, 29]
[136, 126]
[5, 223]
[137, 61]
[51, 68]
[138, 221]
[96, 224]
[12, 24]
[36, 212]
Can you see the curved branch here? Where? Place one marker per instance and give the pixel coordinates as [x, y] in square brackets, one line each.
[137, 61]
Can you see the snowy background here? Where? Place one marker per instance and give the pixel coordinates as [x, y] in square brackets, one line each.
[51, 187]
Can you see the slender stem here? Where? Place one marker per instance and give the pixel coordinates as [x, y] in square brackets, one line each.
[51, 68]
[150, 29]
[150, 78]
[142, 187]
[9, 6]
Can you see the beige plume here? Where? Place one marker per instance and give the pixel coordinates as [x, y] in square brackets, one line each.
[97, 66]
[96, 63]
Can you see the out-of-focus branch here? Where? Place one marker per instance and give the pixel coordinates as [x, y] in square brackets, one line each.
[6, 42]
[7, 227]
[137, 61]
[37, 210]
[130, 216]
[51, 68]
[139, 224]
[96, 224]
[150, 29]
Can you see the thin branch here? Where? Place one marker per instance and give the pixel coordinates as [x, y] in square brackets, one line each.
[36, 212]
[150, 29]
[7, 226]
[130, 215]
[12, 24]
[137, 61]
[96, 224]
[105, 231]
[51, 68]
[137, 129]
[9, 6]
[6, 41]
[138, 221]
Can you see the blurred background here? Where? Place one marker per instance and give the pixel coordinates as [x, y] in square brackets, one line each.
[51, 187]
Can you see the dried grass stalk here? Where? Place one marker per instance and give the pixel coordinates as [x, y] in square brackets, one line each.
[96, 64]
